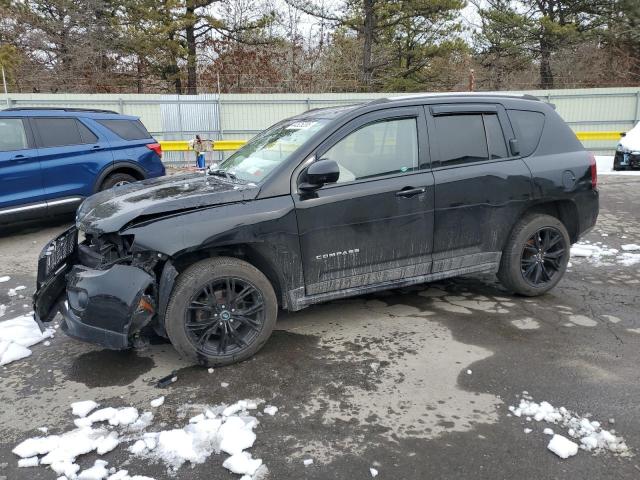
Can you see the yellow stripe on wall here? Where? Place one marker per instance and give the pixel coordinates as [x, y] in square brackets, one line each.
[230, 145]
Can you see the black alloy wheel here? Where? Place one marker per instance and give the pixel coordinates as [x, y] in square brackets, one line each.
[542, 256]
[224, 316]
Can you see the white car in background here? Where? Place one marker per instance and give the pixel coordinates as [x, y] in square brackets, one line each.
[628, 150]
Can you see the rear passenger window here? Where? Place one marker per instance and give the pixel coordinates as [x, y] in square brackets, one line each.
[461, 138]
[495, 137]
[58, 132]
[127, 129]
[87, 135]
[12, 135]
[528, 126]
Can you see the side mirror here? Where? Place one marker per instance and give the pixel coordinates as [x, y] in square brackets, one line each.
[514, 147]
[319, 173]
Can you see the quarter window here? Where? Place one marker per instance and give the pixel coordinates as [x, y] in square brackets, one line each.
[12, 135]
[528, 126]
[377, 149]
[127, 129]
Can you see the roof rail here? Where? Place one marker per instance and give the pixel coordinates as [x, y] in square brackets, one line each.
[63, 109]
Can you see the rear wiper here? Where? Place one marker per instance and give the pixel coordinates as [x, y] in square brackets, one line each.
[222, 173]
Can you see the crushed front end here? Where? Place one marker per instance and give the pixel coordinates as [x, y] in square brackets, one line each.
[105, 291]
[626, 159]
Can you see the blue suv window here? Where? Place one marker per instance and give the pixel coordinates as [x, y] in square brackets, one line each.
[87, 135]
[12, 135]
[60, 132]
[127, 129]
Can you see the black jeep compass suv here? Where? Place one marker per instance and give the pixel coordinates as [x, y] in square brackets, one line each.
[332, 203]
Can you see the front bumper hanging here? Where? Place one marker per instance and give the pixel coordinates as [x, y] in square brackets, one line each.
[104, 307]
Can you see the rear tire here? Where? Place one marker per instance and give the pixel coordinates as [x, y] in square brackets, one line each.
[116, 179]
[221, 311]
[535, 256]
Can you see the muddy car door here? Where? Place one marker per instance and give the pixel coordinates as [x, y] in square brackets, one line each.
[481, 182]
[375, 224]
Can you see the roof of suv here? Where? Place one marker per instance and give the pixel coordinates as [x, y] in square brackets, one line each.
[63, 112]
[337, 111]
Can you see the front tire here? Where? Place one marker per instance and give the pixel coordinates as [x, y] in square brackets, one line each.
[535, 256]
[221, 311]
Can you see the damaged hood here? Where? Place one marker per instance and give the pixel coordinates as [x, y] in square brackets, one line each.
[110, 210]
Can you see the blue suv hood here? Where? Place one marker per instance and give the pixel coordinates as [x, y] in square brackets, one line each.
[111, 210]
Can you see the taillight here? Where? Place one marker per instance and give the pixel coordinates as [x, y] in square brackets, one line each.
[594, 171]
[156, 147]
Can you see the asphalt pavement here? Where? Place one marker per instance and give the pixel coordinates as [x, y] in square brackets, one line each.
[413, 382]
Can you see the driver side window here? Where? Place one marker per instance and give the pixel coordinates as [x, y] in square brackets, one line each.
[380, 148]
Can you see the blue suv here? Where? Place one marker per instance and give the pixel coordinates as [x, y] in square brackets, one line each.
[52, 158]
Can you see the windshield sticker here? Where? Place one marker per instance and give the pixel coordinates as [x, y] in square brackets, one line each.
[300, 125]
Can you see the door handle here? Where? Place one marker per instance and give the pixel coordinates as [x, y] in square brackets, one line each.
[410, 192]
[20, 157]
[96, 147]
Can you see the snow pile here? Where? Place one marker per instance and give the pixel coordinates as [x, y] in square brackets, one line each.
[628, 259]
[589, 433]
[223, 428]
[4, 279]
[16, 335]
[562, 446]
[14, 291]
[597, 253]
[82, 409]
[585, 249]
[214, 430]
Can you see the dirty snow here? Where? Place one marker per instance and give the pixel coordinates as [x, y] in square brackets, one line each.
[600, 254]
[588, 433]
[16, 335]
[14, 291]
[270, 410]
[562, 446]
[206, 433]
[373, 472]
[630, 247]
[155, 403]
[307, 462]
[4, 279]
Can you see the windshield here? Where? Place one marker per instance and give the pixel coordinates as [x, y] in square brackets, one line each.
[268, 149]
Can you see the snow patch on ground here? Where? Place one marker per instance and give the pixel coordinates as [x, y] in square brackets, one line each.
[14, 291]
[598, 253]
[222, 428]
[527, 323]
[588, 434]
[5, 279]
[16, 335]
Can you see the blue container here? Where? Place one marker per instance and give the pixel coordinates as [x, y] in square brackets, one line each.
[200, 160]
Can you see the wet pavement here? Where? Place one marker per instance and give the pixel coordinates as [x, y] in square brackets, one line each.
[380, 380]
